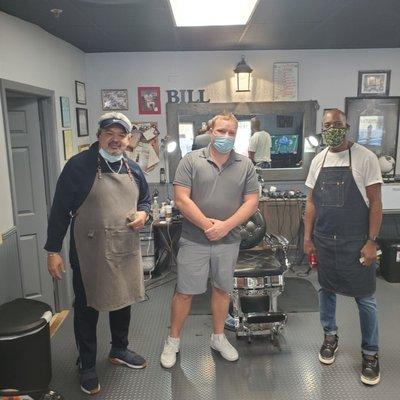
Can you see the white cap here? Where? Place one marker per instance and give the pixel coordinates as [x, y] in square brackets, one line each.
[112, 118]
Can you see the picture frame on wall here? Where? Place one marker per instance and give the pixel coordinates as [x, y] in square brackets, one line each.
[80, 92]
[82, 122]
[114, 99]
[374, 123]
[373, 83]
[285, 81]
[83, 147]
[149, 100]
[68, 144]
[65, 112]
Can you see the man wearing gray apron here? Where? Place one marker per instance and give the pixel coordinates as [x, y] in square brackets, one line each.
[342, 220]
[106, 198]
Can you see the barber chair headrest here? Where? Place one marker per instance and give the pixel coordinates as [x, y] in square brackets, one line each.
[253, 231]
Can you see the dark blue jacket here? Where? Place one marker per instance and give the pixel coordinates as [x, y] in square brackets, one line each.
[73, 187]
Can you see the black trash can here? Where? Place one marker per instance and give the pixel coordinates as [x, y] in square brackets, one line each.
[390, 260]
[25, 357]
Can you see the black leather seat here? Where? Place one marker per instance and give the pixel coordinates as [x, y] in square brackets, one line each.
[257, 263]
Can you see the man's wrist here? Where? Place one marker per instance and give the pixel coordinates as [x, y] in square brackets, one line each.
[372, 239]
[52, 254]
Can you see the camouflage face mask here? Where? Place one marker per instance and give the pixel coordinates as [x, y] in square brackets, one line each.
[333, 137]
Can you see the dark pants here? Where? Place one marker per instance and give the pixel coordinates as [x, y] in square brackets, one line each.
[85, 324]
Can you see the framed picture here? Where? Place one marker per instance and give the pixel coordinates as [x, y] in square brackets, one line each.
[149, 100]
[68, 144]
[65, 112]
[373, 83]
[83, 147]
[285, 81]
[374, 123]
[82, 122]
[80, 92]
[114, 99]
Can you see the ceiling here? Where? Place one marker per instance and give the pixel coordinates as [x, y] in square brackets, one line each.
[147, 25]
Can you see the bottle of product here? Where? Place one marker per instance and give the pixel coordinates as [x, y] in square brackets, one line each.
[168, 213]
[162, 211]
[155, 210]
[163, 176]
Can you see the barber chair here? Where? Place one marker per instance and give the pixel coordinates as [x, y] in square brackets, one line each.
[258, 281]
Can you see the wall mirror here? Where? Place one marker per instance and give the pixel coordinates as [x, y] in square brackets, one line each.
[288, 123]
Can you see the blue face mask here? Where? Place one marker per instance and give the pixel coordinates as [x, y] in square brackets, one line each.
[223, 144]
[110, 157]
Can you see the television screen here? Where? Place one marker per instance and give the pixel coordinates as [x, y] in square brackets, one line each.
[284, 144]
[370, 130]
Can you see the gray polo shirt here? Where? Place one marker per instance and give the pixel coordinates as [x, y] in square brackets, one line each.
[217, 192]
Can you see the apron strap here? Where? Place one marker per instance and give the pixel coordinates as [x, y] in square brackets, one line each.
[128, 168]
[349, 149]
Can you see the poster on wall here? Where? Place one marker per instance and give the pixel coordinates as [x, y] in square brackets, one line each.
[149, 100]
[285, 81]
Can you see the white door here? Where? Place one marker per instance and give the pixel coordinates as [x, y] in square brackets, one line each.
[27, 160]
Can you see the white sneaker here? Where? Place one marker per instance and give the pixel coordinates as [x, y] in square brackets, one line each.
[168, 356]
[220, 343]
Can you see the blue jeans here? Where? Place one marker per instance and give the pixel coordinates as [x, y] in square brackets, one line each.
[368, 319]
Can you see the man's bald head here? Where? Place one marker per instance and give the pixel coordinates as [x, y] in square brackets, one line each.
[255, 124]
[334, 118]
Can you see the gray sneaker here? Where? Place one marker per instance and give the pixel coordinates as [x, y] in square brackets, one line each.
[126, 357]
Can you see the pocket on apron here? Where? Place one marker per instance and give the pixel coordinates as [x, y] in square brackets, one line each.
[332, 193]
[120, 242]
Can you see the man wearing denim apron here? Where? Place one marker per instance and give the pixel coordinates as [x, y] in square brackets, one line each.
[342, 220]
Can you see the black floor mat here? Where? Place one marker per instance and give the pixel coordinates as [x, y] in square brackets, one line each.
[299, 296]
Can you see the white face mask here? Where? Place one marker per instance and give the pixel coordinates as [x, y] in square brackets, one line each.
[109, 157]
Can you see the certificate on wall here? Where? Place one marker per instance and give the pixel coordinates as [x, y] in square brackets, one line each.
[286, 81]
[68, 144]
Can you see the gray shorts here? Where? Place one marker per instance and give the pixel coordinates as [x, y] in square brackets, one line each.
[195, 260]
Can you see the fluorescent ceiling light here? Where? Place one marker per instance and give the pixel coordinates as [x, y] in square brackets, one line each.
[212, 12]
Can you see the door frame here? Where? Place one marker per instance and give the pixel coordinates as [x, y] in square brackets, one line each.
[51, 162]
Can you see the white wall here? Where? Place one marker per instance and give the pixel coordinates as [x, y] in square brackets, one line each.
[32, 56]
[324, 75]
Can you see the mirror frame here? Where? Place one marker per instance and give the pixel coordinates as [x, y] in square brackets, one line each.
[308, 108]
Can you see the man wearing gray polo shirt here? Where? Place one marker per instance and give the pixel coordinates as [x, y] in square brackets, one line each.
[216, 189]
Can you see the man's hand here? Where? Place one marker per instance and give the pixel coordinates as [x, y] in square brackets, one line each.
[219, 230]
[369, 253]
[55, 265]
[308, 247]
[139, 221]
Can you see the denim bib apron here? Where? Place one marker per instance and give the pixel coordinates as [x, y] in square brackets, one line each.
[340, 231]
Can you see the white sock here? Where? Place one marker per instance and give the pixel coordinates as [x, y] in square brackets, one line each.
[173, 340]
[218, 336]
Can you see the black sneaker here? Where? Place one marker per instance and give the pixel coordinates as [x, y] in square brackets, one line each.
[126, 357]
[328, 350]
[370, 374]
[89, 381]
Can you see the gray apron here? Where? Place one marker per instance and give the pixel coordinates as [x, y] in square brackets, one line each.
[108, 251]
[340, 231]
